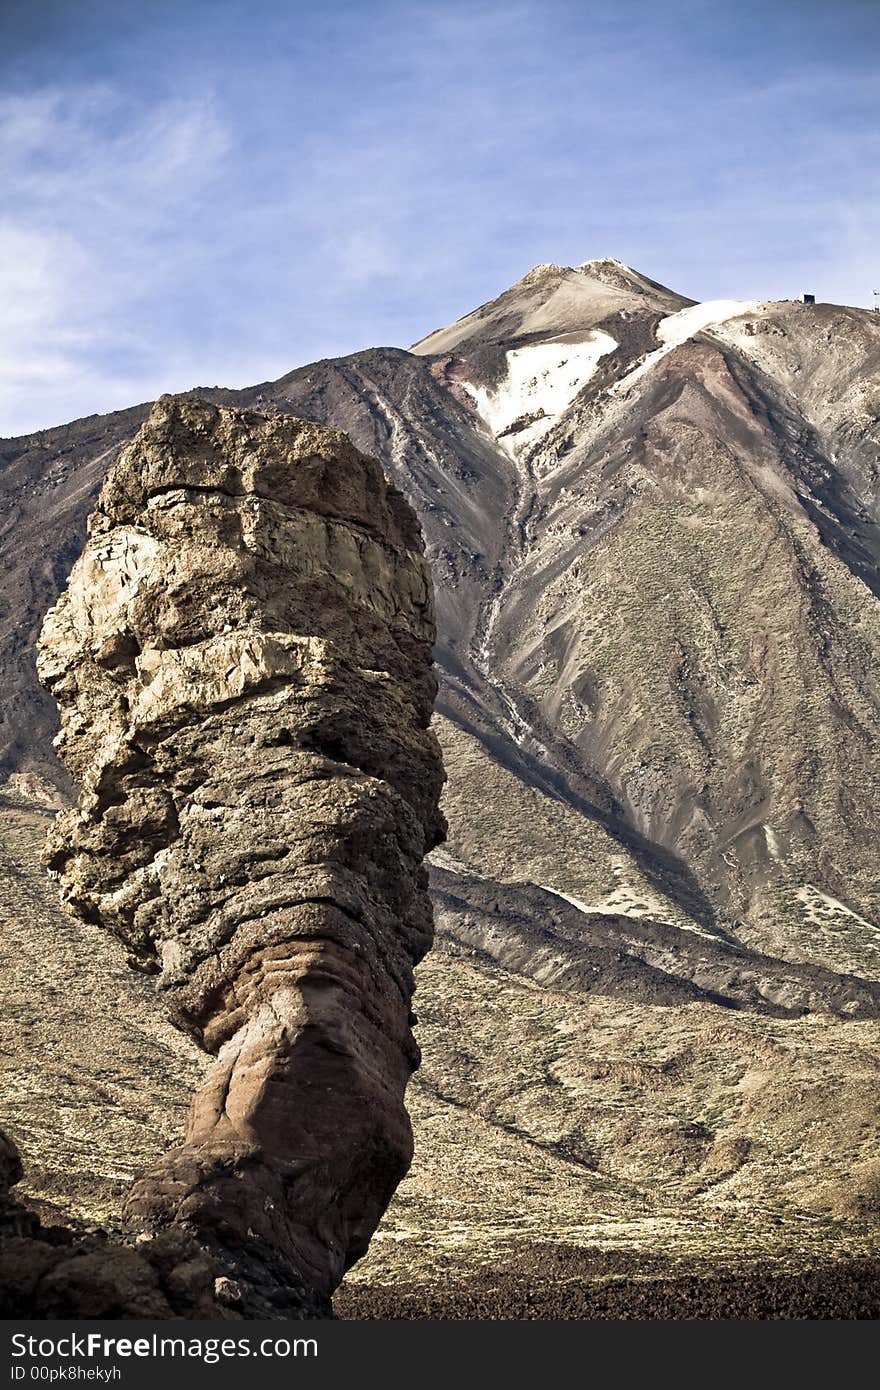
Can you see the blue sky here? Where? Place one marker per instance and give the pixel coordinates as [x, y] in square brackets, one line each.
[203, 193]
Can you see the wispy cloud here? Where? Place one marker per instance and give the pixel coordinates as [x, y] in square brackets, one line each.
[92, 188]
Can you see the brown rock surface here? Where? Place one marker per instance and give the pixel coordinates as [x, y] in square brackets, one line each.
[242, 661]
[65, 1272]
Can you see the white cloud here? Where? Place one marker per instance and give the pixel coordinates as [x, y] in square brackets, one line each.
[91, 187]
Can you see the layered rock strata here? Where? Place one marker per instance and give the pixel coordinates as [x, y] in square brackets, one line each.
[243, 666]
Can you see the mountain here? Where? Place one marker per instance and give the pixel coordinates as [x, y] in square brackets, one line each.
[650, 1019]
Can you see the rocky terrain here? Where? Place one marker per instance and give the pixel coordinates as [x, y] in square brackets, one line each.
[242, 660]
[650, 1023]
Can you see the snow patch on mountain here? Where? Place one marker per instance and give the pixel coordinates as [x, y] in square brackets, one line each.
[623, 903]
[541, 382]
[679, 328]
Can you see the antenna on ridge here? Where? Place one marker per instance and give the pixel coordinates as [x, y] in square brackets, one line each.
[876, 294]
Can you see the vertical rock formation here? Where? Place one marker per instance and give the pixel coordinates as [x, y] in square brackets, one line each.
[243, 665]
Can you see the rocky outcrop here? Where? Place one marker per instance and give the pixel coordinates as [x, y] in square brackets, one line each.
[243, 665]
[69, 1272]
[10, 1164]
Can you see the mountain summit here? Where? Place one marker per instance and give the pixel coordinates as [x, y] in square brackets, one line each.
[556, 299]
